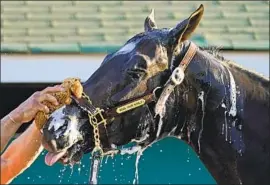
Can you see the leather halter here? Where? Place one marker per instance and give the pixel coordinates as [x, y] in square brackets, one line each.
[136, 102]
[188, 56]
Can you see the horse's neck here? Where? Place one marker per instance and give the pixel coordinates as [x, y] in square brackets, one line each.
[217, 88]
[254, 87]
[215, 129]
[227, 81]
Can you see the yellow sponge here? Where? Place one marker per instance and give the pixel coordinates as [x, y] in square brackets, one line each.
[71, 86]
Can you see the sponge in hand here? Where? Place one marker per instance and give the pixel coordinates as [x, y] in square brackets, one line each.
[72, 86]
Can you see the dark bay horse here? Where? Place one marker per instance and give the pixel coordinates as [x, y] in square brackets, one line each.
[216, 106]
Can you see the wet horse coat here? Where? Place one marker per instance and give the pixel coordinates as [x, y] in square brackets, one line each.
[220, 109]
[230, 128]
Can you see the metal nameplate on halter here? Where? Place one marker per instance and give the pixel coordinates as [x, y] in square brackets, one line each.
[130, 106]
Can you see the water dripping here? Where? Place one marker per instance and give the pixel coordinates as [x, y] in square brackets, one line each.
[240, 182]
[62, 171]
[233, 109]
[188, 134]
[230, 135]
[172, 131]
[160, 123]
[188, 159]
[71, 172]
[201, 97]
[113, 166]
[106, 160]
[79, 170]
[240, 152]
[130, 150]
[136, 178]
[240, 127]
[233, 123]
[140, 140]
[223, 105]
[94, 169]
[160, 108]
[183, 125]
[226, 126]
[240, 146]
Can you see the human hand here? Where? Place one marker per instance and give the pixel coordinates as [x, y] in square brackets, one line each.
[27, 111]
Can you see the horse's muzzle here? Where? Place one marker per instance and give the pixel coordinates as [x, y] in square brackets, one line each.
[49, 142]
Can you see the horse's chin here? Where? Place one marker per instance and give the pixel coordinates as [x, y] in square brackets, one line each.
[67, 156]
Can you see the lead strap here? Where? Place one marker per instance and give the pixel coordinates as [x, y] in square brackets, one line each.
[94, 169]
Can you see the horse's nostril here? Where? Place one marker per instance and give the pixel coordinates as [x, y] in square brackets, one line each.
[49, 141]
[53, 145]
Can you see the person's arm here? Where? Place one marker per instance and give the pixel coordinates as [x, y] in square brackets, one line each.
[20, 154]
[8, 128]
[26, 112]
[24, 150]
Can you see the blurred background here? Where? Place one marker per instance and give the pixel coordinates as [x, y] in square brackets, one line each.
[44, 42]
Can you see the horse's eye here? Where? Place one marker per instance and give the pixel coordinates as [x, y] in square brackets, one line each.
[134, 74]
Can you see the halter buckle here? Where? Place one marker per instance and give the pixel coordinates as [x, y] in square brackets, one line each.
[97, 118]
[177, 76]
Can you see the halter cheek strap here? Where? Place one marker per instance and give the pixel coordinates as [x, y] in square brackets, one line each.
[188, 56]
[176, 78]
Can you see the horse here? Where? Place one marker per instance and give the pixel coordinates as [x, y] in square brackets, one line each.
[160, 84]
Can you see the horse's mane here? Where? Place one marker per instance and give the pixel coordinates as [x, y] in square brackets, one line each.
[255, 83]
[215, 51]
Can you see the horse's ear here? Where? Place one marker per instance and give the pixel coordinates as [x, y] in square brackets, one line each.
[184, 29]
[149, 23]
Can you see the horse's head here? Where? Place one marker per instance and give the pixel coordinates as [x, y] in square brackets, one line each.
[144, 63]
